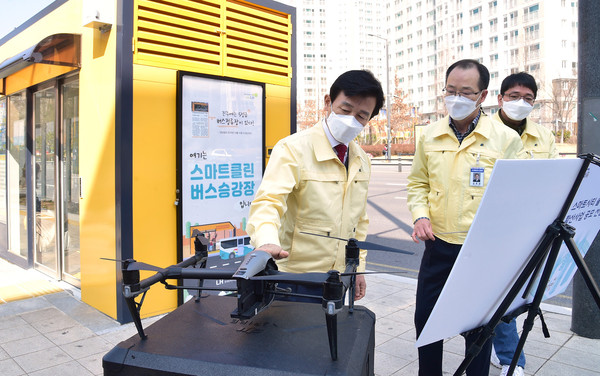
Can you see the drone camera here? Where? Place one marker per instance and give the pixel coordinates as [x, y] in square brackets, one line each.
[253, 297]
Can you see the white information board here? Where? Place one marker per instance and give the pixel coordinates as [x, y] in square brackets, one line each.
[523, 197]
[221, 139]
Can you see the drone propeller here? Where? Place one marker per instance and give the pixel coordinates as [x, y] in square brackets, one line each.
[134, 265]
[143, 266]
[308, 278]
[365, 244]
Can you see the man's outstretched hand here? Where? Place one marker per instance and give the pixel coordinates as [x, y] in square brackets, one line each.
[276, 251]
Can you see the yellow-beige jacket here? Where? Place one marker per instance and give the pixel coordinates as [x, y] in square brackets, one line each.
[538, 142]
[305, 188]
[439, 183]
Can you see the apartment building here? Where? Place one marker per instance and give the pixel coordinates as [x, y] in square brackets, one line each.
[334, 36]
[507, 36]
[426, 36]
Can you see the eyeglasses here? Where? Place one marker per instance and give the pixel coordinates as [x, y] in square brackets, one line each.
[459, 93]
[515, 97]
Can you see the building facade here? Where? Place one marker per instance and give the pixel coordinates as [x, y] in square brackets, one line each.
[89, 120]
[426, 36]
[507, 36]
[334, 36]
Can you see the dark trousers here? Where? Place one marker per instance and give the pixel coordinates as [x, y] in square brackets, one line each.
[437, 261]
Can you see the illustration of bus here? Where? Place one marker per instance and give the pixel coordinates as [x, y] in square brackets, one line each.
[236, 246]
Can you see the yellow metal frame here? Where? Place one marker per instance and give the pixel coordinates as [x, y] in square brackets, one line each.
[230, 38]
[216, 37]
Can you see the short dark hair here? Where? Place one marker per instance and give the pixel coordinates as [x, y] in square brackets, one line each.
[484, 74]
[519, 79]
[359, 83]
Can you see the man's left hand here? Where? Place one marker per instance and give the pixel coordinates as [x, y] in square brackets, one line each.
[361, 287]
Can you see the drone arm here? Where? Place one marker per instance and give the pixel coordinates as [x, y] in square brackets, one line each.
[204, 274]
[175, 271]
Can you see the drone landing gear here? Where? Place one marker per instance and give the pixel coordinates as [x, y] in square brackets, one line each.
[333, 296]
[131, 288]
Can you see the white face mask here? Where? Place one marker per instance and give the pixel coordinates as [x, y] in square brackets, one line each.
[460, 107]
[516, 110]
[344, 128]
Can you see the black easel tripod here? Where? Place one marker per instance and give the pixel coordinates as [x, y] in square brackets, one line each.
[544, 257]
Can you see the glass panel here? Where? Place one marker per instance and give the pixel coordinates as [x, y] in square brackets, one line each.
[70, 164]
[3, 213]
[17, 178]
[44, 103]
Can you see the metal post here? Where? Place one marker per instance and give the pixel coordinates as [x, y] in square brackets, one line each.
[387, 101]
[387, 96]
[585, 319]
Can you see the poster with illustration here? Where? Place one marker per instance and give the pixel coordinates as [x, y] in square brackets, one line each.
[220, 133]
[584, 217]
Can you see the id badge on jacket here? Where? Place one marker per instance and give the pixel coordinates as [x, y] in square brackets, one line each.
[476, 177]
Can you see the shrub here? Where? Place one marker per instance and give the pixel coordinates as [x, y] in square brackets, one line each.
[403, 149]
[567, 135]
[397, 149]
[374, 150]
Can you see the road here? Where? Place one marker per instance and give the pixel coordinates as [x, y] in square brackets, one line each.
[391, 222]
[391, 225]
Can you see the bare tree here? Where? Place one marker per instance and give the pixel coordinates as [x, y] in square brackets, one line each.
[563, 102]
[307, 115]
[401, 119]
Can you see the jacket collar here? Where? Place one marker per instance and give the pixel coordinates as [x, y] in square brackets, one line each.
[442, 127]
[322, 146]
[530, 127]
[531, 130]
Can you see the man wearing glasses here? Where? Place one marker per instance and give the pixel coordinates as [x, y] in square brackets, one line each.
[516, 99]
[453, 161]
[517, 96]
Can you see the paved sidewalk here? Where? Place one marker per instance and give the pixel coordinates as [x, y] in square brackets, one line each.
[57, 334]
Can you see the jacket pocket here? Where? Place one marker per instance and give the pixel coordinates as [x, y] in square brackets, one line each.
[436, 202]
[471, 201]
[311, 244]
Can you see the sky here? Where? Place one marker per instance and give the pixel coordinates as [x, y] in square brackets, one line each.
[13, 13]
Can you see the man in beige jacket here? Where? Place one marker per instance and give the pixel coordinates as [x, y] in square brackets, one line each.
[310, 186]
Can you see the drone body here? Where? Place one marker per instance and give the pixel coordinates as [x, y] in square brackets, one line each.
[256, 279]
